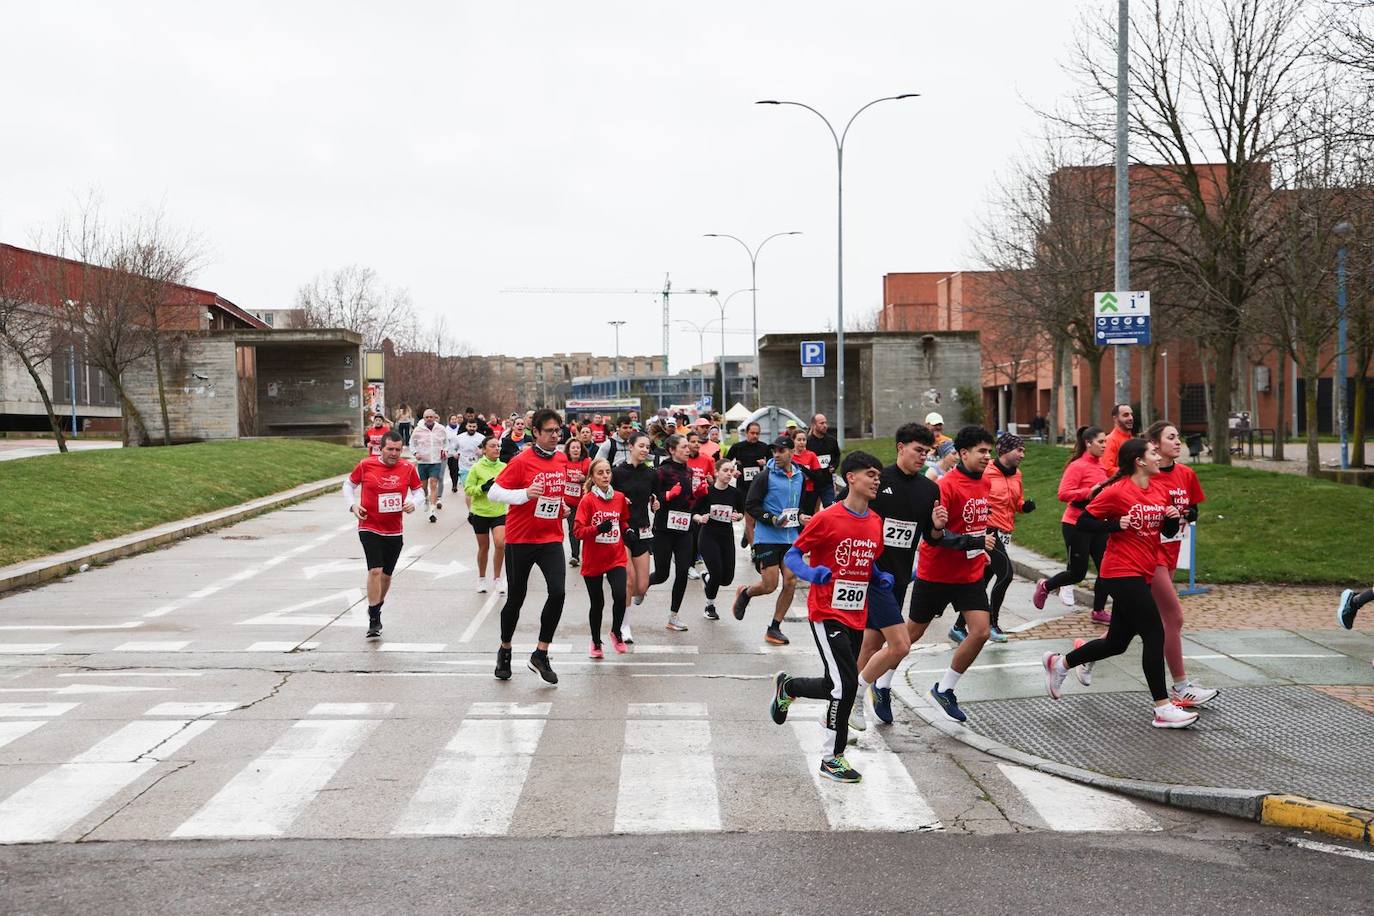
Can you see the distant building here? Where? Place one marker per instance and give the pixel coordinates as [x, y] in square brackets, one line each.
[281, 318]
[661, 389]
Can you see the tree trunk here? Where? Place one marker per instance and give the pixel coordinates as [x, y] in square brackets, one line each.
[1147, 386]
[1055, 377]
[135, 432]
[1094, 364]
[1357, 424]
[1070, 402]
[1218, 427]
[53, 422]
[1308, 365]
[161, 389]
[1281, 399]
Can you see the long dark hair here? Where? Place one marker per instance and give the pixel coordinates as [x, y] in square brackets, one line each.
[1085, 435]
[1132, 450]
[671, 443]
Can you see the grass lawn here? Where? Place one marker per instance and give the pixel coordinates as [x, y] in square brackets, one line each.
[1256, 526]
[56, 502]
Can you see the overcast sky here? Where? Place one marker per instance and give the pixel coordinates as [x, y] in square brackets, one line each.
[461, 148]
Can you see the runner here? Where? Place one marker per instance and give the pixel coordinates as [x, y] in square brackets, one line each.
[378, 491]
[936, 423]
[906, 503]
[487, 518]
[375, 434]
[711, 447]
[532, 485]
[598, 429]
[1006, 498]
[464, 449]
[405, 422]
[750, 455]
[949, 570]
[844, 542]
[614, 448]
[471, 416]
[674, 534]
[715, 513]
[827, 450]
[602, 517]
[451, 434]
[1134, 511]
[428, 445]
[1123, 421]
[578, 465]
[1182, 489]
[703, 468]
[516, 440]
[774, 501]
[810, 464]
[941, 461]
[1084, 477]
[658, 444]
[636, 479]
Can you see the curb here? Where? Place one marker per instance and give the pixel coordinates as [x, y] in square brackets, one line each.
[55, 566]
[1258, 805]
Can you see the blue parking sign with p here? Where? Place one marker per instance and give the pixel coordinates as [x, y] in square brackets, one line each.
[813, 353]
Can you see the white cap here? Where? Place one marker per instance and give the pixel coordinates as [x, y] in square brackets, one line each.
[934, 419]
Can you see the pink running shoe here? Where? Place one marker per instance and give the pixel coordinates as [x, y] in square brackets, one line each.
[595, 652]
[618, 645]
[1041, 593]
[1102, 617]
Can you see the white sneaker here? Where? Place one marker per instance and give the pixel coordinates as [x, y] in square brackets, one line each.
[674, 624]
[1066, 595]
[481, 586]
[637, 600]
[1055, 672]
[1192, 695]
[626, 635]
[1170, 716]
[692, 573]
[1083, 672]
[858, 719]
[499, 585]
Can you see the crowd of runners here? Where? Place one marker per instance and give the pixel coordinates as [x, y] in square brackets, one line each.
[660, 502]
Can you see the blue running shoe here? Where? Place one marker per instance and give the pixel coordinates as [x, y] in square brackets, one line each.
[1345, 611]
[882, 703]
[948, 703]
[957, 634]
[996, 635]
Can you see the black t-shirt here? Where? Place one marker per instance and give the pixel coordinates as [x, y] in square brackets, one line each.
[904, 502]
[749, 454]
[637, 483]
[671, 474]
[730, 497]
[826, 446]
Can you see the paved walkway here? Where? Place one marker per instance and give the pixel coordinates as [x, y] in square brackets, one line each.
[10, 449]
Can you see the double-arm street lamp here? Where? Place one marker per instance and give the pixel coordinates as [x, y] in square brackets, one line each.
[724, 394]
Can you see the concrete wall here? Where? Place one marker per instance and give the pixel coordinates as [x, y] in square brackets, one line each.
[309, 389]
[202, 390]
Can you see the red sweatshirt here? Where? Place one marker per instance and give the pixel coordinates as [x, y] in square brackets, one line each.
[1114, 440]
[703, 472]
[809, 460]
[966, 498]
[539, 520]
[577, 486]
[1079, 478]
[1181, 488]
[1006, 496]
[602, 552]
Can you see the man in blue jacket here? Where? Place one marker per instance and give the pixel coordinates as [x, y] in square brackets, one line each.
[774, 502]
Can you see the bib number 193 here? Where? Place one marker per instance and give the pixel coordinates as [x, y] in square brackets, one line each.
[389, 502]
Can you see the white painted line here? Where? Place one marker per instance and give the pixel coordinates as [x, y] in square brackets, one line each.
[351, 709]
[75, 626]
[1286, 655]
[980, 667]
[725, 677]
[341, 600]
[588, 663]
[205, 592]
[481, 616]
[1068, 806]
[134, 674]
[27, 648]
[474, 786]
[1332, 848]
[191, 710]
[886, 799]
[45, 808]
[668, 710]
[510, 709]
[154, 646]
[667, 778]
[34, 710]
[641, 649]
[271, 646]
[413, 646]
[268, 794]
[12, 731]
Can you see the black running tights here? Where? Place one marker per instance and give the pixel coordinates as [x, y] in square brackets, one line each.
[839, 647]
[1134, 613]
[716, 544]
[673, 547]
[615, 577]
[521, 559]
[1082, 546]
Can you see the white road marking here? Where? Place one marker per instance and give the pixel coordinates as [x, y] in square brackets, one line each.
[12, 731]
[1068, 806]
[34, 710]
[668, 710]
[57, 800]
[27, 648]
[192, 710]
[76, 689]
[640, 649]
[886, 799]
[287, 616]
[271, 646]
[1332, 848]
[133, 674]
[268, 794]
[585, 663]
[481, 616]
[474, 786]
[510, 709]
[154, 646]
[667, 778]
[351, 709]
[75, 626]
[413, 646]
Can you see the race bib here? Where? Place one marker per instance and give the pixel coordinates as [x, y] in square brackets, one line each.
[848, 595]
[679, 521]
[572, 489]
[1004, 537]
[900, 534]
[548, 507]
[390, 502]
[975, 554]
[646, 534]
[825, 461]
[787, 518]
[720, 513]
[1176, 539]
[609, 537]
[750, 474]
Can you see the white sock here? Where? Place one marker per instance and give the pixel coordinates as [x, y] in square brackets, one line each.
[949, 680]
[885, 681]
[863, 687]
[1181, 685]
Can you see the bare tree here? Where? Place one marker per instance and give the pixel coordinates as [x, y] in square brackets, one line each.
[28, 330]
[354, 298]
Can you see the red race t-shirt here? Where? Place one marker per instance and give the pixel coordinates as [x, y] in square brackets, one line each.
[573, 490]
[602, 551]
[966, 498]
[598, 432]
[1181, 488]
[849, 544]
[374, 436]
[384, 493]
[1132, 551]
[539, 520]
[703, 472]
[809, 460]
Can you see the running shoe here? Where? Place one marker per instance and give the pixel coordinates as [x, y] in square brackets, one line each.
[858, 720]
[1041, 593]
[996, 635]
[774, 636]
[948, 702]
[637, 600]
[499, 585]
[438, 504]
[781, 701]
[626, 634]
[677, 626]
[958, 634]
[710, 612]
[741, 602]
[1346, 610]
[1066, 595]
[503, 664]
[481, 586]
[539, 664]
[881, 698]
[595, 652]
[1170, 716]
[1083, 672]
[433, 517]
[1054, 675]
[1192, 695]
[574, 561]
[618, 645]
[692, 573]
[1102, 617]
[838, 769]
[374, 624]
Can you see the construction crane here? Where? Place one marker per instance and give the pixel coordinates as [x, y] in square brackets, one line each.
[666, 294]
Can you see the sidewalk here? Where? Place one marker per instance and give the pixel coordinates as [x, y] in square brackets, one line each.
[1295, 714]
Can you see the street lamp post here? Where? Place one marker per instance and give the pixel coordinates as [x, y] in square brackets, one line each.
[724, 395]
[753, 287]
[616, 325]
[701, 345]
[1342, 230]
[839, 139]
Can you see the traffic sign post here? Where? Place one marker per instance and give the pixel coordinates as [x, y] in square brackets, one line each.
[813, 365]
[1122, 318]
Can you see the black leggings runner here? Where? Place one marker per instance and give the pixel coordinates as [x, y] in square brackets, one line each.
[716, 544]
[1000, 573]
[521, 559]
[1082, 546]
[839, 647]
[1134, 613]
[574, 544]
[670, 547]
[616, 578]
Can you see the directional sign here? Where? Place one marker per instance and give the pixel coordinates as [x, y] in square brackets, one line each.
[813, 353]
[1122, 317]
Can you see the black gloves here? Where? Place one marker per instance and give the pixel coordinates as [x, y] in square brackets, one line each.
[1028, 506]
[486, 487]
[1191, 514]
[605, 526]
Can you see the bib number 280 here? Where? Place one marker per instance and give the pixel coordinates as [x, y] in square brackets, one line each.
[848, 595]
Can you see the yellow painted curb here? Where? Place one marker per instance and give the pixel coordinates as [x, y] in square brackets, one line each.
[1305, 814]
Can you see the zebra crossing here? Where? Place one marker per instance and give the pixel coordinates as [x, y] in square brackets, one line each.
[210, 769]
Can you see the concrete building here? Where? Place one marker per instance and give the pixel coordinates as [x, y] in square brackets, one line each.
[661, 389]
[891, 377]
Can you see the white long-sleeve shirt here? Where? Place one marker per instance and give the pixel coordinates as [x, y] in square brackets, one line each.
[428, 445]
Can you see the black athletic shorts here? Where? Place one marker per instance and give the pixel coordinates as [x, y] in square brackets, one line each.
[929, 599]
[482, 524]
[639, 546]
[766, 555]
[381, 550]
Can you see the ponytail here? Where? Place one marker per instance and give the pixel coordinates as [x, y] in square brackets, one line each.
[1085, 435]
[1132, 450]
